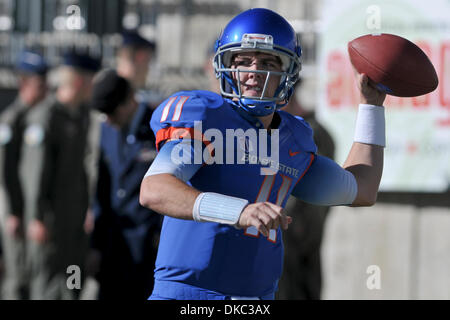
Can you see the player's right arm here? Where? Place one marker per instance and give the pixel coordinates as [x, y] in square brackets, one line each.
[164, 188]
[168, 195]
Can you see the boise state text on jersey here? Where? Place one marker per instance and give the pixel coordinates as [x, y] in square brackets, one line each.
[215, 256]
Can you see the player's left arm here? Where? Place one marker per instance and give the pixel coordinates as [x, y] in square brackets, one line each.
[356, 182]
[365, 162]
[365, 159]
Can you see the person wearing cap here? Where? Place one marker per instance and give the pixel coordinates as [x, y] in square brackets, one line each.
[133, 63]
[134, 57]
[125, 233]
[31, 69]
[137, 232]
[58, 163]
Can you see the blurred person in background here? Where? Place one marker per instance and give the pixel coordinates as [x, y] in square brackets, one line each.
[125, 234]
[59, 165]
[210, 73]
[32, 89]
[134, 57]
[302, 276]
[2, 263]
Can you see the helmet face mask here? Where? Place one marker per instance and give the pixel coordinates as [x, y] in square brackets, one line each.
[270, 34]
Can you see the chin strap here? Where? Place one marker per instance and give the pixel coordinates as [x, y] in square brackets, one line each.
[258, 108]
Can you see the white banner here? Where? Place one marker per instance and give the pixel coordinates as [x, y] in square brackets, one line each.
[418, 129]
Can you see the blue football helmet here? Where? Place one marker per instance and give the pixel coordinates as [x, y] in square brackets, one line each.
[264, 31]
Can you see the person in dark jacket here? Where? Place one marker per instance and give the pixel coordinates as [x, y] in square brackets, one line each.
[125, 233]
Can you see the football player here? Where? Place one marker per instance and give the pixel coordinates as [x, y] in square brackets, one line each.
[221, 236]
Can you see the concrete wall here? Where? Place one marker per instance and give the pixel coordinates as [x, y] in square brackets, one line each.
[410, 245]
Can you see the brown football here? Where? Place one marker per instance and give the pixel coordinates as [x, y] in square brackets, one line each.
[396, 65]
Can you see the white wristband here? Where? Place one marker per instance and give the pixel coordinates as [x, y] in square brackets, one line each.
[216, 207]
[370, 125]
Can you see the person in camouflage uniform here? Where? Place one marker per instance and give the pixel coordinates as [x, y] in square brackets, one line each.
[59, 163]
[32, 90]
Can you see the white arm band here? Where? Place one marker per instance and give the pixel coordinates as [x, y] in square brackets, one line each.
[370, 125]
[216, 207]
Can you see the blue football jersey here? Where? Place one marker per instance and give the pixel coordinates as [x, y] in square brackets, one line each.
[216, 256]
